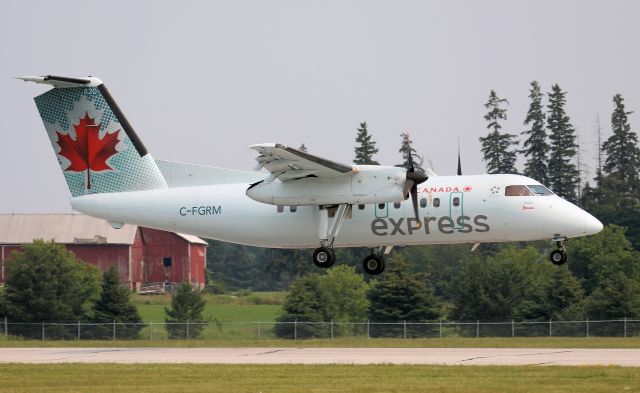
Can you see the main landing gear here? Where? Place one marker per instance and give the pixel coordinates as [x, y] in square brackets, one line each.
[559, 255]
[324, 256]
[374, 263]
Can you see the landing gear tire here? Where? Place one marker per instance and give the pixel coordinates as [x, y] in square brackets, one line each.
[558, 257]
[373, 265]
[324, 257]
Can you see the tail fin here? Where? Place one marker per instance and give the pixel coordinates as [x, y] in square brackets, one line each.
[97, 148]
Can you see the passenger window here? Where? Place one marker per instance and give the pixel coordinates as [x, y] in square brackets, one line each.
[540, 190]
[456, 201]
[517, 191]
[423, 202]
[436, 202]
[293, 209]
[360, 207]
[396, 205]
[280, 208]
[381, 205]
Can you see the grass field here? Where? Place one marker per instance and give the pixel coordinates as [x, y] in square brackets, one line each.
[249, 307]
[159, 378]
[348, 342]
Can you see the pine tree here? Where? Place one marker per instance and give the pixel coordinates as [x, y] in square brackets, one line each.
[114, 304]
[184, 319]
[563, 173]
[303, 308]
[303, 148]
[535, 146]
[400, 295]
[497, 147]
[407, 150]
[621, 150]
[366, 147]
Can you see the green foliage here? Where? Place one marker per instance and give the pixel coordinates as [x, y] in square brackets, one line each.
[513, 285]
[535, 146]
[304, 303]
[45, 282]
[408, 152]
[345, 297]
[563, 173]
[366, 147]
[187, 305]
[497, 147]
[400, 295]
[114, 304]
[622, 152]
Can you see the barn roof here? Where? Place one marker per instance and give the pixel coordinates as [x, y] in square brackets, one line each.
[68, 229]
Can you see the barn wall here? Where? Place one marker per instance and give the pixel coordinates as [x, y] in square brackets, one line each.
[198, 255]
[103, 256]
[159, 245]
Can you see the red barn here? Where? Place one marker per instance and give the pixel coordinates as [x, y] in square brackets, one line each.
[143, 256]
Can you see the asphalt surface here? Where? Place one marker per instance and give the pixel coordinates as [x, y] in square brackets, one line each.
[434, 356]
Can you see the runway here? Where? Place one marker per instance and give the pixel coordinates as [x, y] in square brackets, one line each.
[432, 356]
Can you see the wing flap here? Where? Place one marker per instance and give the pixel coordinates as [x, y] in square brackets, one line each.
[286, 163]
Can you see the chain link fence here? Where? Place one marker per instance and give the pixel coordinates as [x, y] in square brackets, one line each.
[295, 330]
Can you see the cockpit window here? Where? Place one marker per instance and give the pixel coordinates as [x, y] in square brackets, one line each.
[517, 191]
[539, 190]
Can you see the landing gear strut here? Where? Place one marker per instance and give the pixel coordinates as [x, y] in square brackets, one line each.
[324, 256]
[559, 255]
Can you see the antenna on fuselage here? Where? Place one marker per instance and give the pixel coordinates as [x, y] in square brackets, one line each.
[459, 164]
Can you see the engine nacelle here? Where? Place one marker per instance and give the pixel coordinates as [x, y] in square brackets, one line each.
[371, 184]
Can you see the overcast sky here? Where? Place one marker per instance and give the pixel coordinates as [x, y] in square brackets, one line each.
[200, 81]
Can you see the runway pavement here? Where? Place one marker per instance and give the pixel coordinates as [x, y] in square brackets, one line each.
[434, 356]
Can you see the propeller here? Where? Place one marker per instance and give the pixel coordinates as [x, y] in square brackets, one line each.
[411, 186]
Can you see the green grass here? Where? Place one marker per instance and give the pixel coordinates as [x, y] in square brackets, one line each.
[531, 342]
[221, 312]
[159, 378]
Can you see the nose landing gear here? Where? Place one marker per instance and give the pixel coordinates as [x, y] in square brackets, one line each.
[559, 255]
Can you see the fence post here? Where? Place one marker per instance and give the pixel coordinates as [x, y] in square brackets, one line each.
[42, 330]
[550, 334]
[625, 327]
[587, 326]
[78, 330]
[368, 335]
[295, 329]
[513, 328]
[114, 330]
[404, 329]
[332, 329]
[478, 328]
[441, 328]
[187, 329]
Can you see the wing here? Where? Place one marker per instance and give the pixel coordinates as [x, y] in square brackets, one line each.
[286, 163]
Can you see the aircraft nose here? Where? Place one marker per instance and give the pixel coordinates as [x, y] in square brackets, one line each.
[591, 224]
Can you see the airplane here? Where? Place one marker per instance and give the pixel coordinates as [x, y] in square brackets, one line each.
[304, 201]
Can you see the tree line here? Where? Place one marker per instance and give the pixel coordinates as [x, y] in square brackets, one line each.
[46, 283]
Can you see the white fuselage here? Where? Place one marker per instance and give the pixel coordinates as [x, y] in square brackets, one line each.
[223, 212]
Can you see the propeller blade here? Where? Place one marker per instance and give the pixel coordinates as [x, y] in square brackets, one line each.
[414, 200]
[408, 185]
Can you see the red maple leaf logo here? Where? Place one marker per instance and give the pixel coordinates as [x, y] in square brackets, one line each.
[88, 152]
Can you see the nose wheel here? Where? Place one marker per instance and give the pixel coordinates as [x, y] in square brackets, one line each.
[324, 257]
[559, 255]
